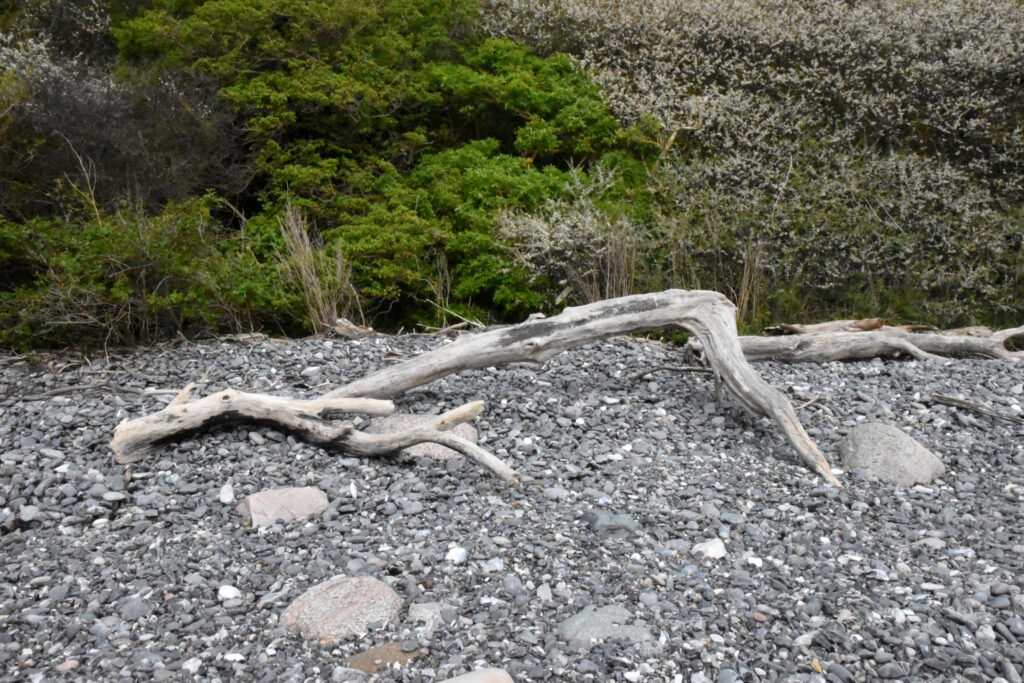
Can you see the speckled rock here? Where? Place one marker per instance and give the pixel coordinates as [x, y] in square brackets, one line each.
[887, 454]
[341, 607]
[400, 422]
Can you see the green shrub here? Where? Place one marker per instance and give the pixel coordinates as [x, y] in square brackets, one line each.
[397, 132]
[127, 278]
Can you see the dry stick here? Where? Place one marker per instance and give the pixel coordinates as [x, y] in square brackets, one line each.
[976, 407]
[710, 316]
[62, 391]
[804, 405]
[135, 439]
[674, 368]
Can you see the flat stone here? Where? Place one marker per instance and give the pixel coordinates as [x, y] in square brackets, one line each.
[482, 676]
[713, 548]
[192, 665]
[592, 625]
[609, 525]
[132, 609]
[381, 657]
[341, 607]
[282, 505]
[887, 454]
[400, 422]
[427, 613]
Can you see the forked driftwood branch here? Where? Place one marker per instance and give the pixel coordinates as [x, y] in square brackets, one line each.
[710, 316]
[308, 419]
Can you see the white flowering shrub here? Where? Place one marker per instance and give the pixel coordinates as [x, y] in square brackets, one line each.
[821, 154]
[584, 252]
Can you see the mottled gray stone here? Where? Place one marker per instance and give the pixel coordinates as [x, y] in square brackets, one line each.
[607, 623]
[341, 607]
[885, 453]
[400, 422]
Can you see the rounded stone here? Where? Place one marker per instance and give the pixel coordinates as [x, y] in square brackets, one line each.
[341, 607]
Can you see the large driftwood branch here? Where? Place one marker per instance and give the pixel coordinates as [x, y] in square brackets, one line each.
[708, 315]
[308, 419]
[820, 346]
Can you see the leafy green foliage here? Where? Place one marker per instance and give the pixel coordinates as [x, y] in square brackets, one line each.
[778, 154]
[129, 277]
[394, 130]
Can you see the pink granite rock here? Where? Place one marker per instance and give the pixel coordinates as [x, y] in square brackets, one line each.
[282, 505]
[341, 607]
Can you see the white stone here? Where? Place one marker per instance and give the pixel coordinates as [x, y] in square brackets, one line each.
[229, 593]
[456, 555]
[234, 657]
[713, 548]
[427, 613]
[311, 371]
[227, 494]
[495, 564]
[192, 666]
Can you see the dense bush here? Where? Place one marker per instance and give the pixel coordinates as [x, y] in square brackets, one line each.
[129, 277]
[810, 159]
[822, 157]
[394, 131]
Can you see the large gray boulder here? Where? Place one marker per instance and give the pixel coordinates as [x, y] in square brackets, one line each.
[341, 607]
[887, 454]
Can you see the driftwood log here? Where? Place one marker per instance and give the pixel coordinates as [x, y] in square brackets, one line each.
[709, 316]
[859, 339]
[308, 419]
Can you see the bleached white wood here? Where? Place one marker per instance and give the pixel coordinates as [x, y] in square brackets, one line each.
[135, 439]
[885, 341]
[710, 316]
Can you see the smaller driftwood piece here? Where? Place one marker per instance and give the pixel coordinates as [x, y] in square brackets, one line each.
[871, 338]
[308, 419]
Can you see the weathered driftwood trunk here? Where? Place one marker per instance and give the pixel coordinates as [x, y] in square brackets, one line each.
[710, 316]
[308, 419]
[836, 341]
[707, 315]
